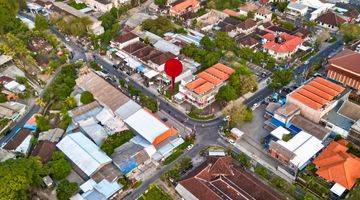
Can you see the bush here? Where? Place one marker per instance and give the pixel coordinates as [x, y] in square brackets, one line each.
[116, 140]
[287, 137]
[149, 103]
[66, 189]
[42, 123]
[3, 98]
[262, 171]
[125, 182]
[86, 97]
[155, 193]
[58, 168]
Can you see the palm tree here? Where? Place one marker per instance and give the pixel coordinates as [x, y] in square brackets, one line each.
[40, 102]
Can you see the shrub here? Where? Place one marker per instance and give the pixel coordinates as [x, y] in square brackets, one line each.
[116, 140]
[86, 97]
[66, 189]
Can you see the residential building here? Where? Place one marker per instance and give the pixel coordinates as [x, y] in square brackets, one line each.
[21, 142]
[330, 20]
[183, 6]
[295, 152]
[231, 13]
[44, 150]
[263, 14]
[208, 20]
[12, 110]
[337, 166]
[316, 98]
[52, 135]
[316, 7]
[340, 119]
[345, 68]
[247, 26]
[102, 190]
[103, 5]
[83, 153]
[201, 90]
[281, 45]
[220, 178]
[286, 112]
[95, 27]
[354, 134]
[247, 41]
[6, 155]
[124, 40]
[248, 7]
[296, 9]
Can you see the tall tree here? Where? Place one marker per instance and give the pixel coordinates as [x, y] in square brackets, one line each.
[226, 93]
[160, 2]
[280, 79]
[41, 23]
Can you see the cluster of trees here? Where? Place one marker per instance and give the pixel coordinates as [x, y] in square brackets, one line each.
[238, 113]
[158, 26]
[240, 83]
[280, 78]
[281, 6]
[224, 4]
[58, 167]
[259, 57]
[86, 97]
[149, 103]
[8, 11]
[116, 140]
[77, 6]
[41, 23]
[175, 172]
[210, 50]
[63, 84]
[350, 31]
[160, 2]
[42, 123]
[77, 26]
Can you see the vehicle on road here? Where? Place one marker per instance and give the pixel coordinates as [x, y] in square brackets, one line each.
[255, 106]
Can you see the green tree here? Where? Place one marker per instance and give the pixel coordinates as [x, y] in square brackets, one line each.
[160, 2]
[86, 97]
[280, 79]
[226, 93]
[158, 26]
[224, 42]
[116, 140]
[58, 168]
[350, 31]
[207, 43]
[41, 23]
[66, 189]
[17, 176]
[42, 123]
[3, 98]
[238, 113]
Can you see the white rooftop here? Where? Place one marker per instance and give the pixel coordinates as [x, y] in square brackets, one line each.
[279, 132]
[337, 189]
[83, 152]
[146, 125]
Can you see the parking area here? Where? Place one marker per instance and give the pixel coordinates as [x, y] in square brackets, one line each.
[260, 72]
[254, 130]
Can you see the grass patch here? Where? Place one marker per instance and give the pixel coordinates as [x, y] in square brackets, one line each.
[155, 193]
[196, 113]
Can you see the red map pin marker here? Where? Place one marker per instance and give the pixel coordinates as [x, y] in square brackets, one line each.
[173, 68]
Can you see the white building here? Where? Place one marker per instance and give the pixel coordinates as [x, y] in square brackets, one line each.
[84, 153]
[103, 5]
[297, 9]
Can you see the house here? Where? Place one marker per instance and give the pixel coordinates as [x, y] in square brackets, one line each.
[263, 14]
[247, 26]
[44, 149]
[281, 45]
[316, 98]
[220, 178]
[330, 20]
[124, 40]
[201, 91]
[286, 112]
[183, 6]
[12, 110]
[247, 41]
[248, 7]
[345, 68]
[316, 7]
[303, 33]
[21, 142]
[83, 153]
[15, 87]
[208, 20]
[95, 27]
[98, 190]
[129, 157]
[296, 9]
[337, 166]
[296, 151]
[103, 5]
[354, 134]
[6, 155]
[229, 25]
[231, 13]
[342, 117]
[52, 135]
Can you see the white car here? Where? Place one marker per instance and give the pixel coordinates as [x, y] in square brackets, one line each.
[255, 106]
[231, 141]
[190, 147]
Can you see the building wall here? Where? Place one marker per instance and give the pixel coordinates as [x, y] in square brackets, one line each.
[122, 45]
[279, 156]
[354, 137]
[309, 113]
[344, 79]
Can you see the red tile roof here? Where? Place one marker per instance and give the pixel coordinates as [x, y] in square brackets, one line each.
[336, 165]
[347, 60]
[317, 93]
[289, 44]
[183, 5]
[231, 12]
[125, 37]
[210, 78]
[220, 178]
[331, 18]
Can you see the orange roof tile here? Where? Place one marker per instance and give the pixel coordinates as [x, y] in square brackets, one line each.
[180, 7]
[312, 96]
[224, 68]
[323, 88]
[289, 44]
[210, 78]
[170, 132]
[217, 73]
[196, 83]
[306, 101]
[204, 88]
[336, 165]
[317, 91]
[231, 12]
[330, 84]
